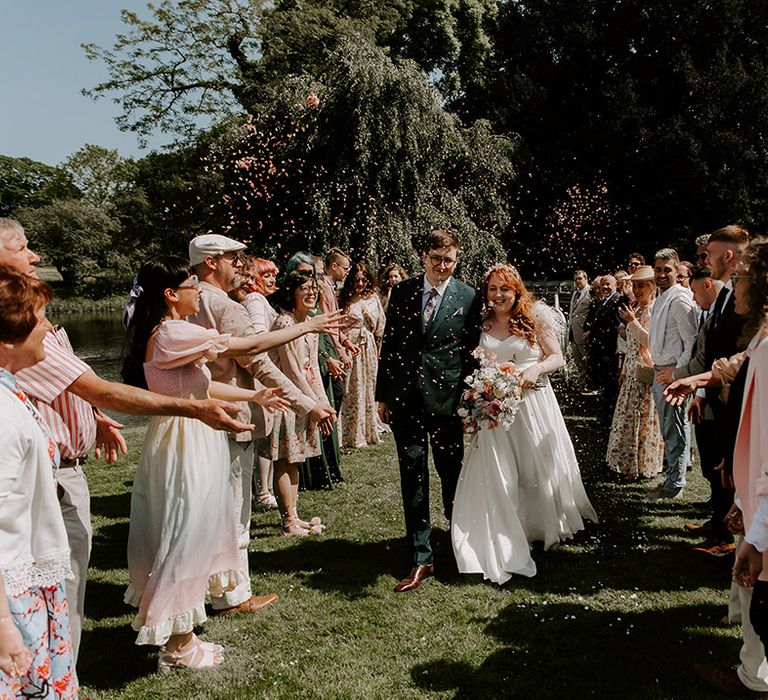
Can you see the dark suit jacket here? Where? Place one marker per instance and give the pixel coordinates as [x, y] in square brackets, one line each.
[425, 371]
[605, 327]
[722, 339]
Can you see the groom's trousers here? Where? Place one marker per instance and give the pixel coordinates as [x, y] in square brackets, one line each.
[446, 436]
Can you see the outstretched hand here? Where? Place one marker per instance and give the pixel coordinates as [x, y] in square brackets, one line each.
[109, 439]
[270, 400]
[328, 323]
[218, 414]
[676, 393]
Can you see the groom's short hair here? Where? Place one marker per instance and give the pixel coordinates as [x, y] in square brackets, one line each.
[441, 238]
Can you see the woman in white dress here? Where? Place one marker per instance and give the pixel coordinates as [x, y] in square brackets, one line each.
[520, 485]
[182, 541]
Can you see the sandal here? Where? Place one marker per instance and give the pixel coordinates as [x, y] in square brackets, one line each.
[196, 654]
[292, 527]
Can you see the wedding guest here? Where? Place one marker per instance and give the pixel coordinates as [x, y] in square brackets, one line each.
[603, 333]
[360, 300]
[391, 275]
[69, 394]
[705, 291]
[702, 245]
[635, 260]
[635, 445]
[36, 658]
[295, 438]
[684, 274]
[261, 282]
[182, 541]
[580, 301]
[751, 299]
[671, 336]
[323, 471]
[215, 260]
[724, 250]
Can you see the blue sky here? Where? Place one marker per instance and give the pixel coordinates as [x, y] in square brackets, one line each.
[42, 70]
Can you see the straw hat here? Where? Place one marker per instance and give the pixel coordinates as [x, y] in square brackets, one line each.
[644, 273]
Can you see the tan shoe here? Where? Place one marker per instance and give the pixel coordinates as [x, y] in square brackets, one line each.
[413, 580]
[253, 605]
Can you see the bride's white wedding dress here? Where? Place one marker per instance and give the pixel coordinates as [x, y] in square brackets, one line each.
[520, 485]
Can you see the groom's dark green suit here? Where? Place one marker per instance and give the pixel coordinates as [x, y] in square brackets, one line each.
[420, 378]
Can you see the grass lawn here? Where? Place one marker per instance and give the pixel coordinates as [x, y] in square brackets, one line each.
[621, 612]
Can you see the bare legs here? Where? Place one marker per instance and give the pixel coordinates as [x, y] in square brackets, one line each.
[287, 492]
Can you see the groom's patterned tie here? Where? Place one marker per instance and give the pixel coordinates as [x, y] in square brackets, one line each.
[429, 309]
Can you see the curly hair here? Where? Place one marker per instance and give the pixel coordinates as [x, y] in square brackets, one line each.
[755, 264]
[348, 290]
[521, 322]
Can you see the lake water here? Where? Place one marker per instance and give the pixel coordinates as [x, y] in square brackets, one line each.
[98, 338]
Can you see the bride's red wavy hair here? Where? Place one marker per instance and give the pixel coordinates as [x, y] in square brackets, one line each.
[521, 319]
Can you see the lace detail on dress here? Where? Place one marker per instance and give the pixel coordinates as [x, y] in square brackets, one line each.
[40, 573]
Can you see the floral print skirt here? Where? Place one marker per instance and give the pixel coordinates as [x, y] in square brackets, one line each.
[42, 618]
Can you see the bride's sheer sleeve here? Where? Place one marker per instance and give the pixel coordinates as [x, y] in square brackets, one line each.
[550, 327]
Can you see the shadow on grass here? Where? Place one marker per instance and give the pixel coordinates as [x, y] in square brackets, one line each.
[110, 544]
[342, 567]
[129, 662]
[562, 650]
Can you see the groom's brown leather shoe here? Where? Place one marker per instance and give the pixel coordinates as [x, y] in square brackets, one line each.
[413, 580]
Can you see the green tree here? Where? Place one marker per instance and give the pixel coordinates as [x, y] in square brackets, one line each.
[365, 156]
[79, 237]
[667, 105]
[28, 183]
[100, 174]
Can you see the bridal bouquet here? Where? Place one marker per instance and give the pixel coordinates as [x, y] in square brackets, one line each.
[493, 395]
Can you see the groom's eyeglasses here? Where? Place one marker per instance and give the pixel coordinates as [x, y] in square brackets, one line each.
[438, 260]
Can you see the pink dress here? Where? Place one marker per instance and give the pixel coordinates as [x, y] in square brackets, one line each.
[182, 542]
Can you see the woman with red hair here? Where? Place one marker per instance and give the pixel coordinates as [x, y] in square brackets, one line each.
[260, 281]
[520, 484]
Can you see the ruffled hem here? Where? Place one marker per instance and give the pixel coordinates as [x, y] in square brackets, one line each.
[158, 635]
[42, 572]
[181, 623]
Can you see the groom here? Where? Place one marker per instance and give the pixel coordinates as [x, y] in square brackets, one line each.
[433, 324]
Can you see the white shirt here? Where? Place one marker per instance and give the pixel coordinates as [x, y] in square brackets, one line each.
[33, 542]
[673, 328]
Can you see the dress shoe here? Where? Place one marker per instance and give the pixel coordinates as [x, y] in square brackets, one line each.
[726, 681]
[705, 529]
[413, 580]
[714, 546]
[659, 493]
[252, 605]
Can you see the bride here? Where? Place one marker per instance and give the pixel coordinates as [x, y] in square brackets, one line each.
[523, 484]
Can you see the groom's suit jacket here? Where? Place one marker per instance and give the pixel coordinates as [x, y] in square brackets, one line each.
[424, 370]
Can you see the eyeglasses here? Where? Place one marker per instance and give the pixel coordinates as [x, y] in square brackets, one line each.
[438, 260]
[232, 258]
[192, 283]
[737, 278]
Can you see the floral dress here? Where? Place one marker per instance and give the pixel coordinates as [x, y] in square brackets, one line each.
[358, 410]
[35, 561]
[636, 445]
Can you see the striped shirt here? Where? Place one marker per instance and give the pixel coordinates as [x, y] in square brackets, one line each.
[69, 417]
